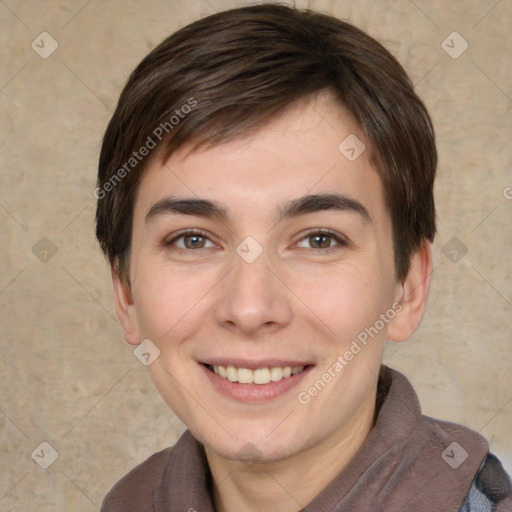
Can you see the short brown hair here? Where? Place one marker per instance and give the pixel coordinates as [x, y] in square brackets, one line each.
[236, 69]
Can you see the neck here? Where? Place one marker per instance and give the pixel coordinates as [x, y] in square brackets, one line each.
[289, 485]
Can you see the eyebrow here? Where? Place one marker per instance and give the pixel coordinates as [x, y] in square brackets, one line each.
[187, 206]
[321, 202]
[293, 208]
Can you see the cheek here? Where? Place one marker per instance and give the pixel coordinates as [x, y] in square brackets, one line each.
[168, 299]
[344, 303]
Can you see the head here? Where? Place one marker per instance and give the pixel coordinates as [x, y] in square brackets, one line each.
[240, 227]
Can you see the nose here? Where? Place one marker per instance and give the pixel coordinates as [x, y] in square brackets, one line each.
[253, 299]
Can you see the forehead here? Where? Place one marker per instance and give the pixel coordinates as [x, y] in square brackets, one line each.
[308, 148]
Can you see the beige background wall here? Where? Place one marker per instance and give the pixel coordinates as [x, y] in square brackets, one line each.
[67, 376]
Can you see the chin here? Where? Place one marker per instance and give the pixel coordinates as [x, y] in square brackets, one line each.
[252, 445]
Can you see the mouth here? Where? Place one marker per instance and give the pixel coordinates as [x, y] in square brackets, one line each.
[258, 384]
[260, 376]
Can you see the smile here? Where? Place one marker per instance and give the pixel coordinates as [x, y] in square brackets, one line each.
[258, 376]
[257, 384]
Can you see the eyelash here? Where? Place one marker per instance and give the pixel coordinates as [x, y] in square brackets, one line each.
[341, 241]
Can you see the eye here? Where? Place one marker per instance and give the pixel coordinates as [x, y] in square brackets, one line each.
[321, 240]
[191, 240]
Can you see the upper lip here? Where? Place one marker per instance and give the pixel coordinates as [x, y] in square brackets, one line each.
[254, 365]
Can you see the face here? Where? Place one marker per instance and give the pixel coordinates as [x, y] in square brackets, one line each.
[266, 252]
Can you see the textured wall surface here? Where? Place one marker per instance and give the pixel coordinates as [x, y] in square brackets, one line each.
[67, 376]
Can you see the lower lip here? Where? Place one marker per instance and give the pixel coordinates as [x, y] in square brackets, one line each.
[254, 392]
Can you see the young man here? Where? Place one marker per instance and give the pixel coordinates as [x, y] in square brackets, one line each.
[265, 199]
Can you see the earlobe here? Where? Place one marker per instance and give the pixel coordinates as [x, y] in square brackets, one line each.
[412, 295]
[125, 308]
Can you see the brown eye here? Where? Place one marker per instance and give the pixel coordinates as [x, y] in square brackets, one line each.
[320, 241]
[190, 240]
[194, 241]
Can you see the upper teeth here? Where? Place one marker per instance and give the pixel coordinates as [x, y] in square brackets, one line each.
[259, 376]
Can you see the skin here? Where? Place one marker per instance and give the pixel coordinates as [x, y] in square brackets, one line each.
[298, 300]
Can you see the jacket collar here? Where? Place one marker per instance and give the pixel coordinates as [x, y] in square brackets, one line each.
[408, 462]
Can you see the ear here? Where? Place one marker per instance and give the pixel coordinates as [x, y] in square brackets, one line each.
[412, 296]
[125, 308]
